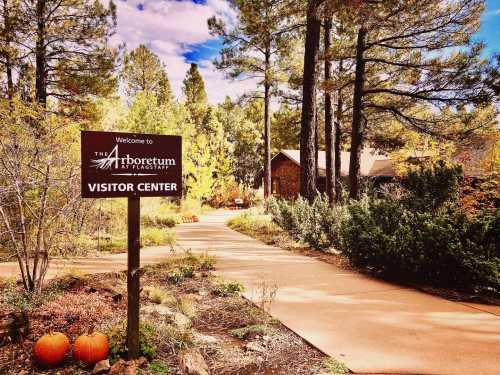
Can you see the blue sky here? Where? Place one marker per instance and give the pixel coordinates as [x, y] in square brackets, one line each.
[176, 30]
[490, 27]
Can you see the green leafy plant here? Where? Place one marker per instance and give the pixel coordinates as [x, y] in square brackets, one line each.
[227, 288]
[443, 248]
[118, 340]
[336, 367]
[432, 187]
[249, 331]
[159, 368]
[19, 299]
[176, 275]
[151, 236]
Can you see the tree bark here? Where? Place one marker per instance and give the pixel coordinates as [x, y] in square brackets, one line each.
[338, 137]
[8, 39]
[40, 55]
[307, 132]
[267, 126]
[357, 126]
[329, 131]
[316, 141]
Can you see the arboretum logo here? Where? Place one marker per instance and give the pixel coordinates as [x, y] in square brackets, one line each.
[114, 162]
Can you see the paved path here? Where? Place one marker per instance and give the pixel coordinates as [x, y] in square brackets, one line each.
[372, 326]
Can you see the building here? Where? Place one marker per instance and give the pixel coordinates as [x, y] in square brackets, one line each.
[285, 170]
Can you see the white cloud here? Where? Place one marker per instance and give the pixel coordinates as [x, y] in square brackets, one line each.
[167, 27]
[494, 12]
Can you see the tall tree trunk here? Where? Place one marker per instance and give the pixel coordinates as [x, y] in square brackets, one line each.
[338, 137]
[267, 126]
[8, 39]
[329, 132]
[357, 126]
[316, 140]
[307, 131]
[40, 55]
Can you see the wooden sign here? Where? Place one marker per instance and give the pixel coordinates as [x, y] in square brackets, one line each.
[130, 165]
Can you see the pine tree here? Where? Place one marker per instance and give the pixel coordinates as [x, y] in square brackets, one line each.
[243, 128]
[251, 50]
[68, 41]
[10, 30]
[330, 135]
[196, 96]
[413, 53]
[309, 86]
[143, 71]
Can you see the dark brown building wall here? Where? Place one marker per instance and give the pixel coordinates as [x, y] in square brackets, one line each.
[285, 178]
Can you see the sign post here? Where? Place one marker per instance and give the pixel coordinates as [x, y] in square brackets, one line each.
[133, 166]
[133, 266]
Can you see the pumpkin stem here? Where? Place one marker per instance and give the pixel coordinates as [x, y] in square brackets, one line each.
[91, 330]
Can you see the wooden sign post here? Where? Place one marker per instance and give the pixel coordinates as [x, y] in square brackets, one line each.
[133, 166]
[133, 282]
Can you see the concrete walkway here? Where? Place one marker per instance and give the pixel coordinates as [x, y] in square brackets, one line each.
[372, 326]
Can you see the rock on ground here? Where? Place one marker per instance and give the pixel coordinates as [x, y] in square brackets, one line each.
[192, 363]
[101, 367]
[255, 347]
[182, 321]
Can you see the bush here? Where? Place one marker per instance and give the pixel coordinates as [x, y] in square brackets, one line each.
[159, 368]
[160, 221]
[431, 188]
[250, 331]
[225, 195]
[316, 224]
[228, 288]
[336, 367]
[414, 232]
[18, 299]
[156, 237]
[118, 341]
[444, 248]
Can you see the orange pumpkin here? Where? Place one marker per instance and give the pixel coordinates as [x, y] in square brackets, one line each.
[50, 349]
[91, 348]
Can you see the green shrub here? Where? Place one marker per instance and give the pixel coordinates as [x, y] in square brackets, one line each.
[156, 237]
[249, 331]
[432, 187]
[336, 367]
[206, 262]
[203, 262]
[228, 288]
[115, 245]
[444, 248]
[174, 276]
[17, 298]
[118, 341]
[417, 232]
[159, 368]
[316, 224]
[160, 221]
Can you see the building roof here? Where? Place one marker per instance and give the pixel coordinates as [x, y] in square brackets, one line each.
[372, 164]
